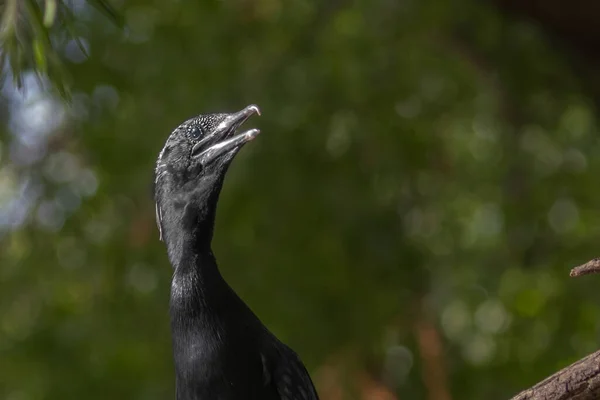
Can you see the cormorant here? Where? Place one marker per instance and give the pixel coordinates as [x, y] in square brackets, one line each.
[221, 349]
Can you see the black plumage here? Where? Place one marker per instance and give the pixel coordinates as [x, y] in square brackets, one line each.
[221, 349]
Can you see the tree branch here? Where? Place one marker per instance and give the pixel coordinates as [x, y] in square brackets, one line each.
[578, 381]
[590, 267]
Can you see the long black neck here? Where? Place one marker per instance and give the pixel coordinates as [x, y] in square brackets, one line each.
[199, 294]
[187, 222]
[208, 320]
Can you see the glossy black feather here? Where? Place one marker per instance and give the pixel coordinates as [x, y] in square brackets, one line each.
[221, 349]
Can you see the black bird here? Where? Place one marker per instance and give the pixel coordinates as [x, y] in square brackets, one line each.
[221, 349]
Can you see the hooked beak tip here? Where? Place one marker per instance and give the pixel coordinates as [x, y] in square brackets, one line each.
[254, 108]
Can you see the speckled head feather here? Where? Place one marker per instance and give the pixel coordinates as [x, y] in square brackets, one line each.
[179, 144]
[196, 155]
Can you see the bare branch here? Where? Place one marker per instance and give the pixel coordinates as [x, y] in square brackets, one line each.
[579, 381]
[590, 267]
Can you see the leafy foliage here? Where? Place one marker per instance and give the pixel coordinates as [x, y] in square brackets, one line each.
[32, 32]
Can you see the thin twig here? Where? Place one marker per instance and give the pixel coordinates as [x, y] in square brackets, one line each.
[590, 267]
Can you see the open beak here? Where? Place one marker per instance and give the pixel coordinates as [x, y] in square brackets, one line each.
[223, 139]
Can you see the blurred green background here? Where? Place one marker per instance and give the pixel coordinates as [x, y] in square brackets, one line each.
[426, 176]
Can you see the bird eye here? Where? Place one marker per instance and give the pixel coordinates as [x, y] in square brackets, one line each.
[195, 133]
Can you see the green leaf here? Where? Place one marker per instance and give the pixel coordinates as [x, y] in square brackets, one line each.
[50, 13]
[39, 55]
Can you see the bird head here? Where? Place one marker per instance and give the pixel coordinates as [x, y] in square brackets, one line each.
[192, 164]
